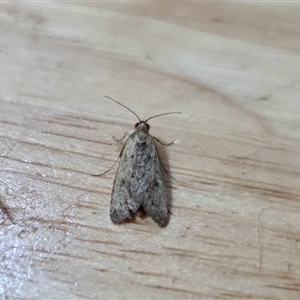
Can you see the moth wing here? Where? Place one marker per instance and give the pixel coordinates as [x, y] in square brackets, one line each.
[155, 202]
[121, 201]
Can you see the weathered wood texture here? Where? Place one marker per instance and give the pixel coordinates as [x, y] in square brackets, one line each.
[231, 68]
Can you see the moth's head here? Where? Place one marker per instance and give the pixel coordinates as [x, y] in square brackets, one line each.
[142, 126]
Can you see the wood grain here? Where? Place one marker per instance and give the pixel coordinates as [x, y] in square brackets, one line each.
[232, 69]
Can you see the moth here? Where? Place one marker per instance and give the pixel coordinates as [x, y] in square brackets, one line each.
[139, 181]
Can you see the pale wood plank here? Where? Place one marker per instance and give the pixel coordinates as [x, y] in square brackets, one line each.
[232, 69]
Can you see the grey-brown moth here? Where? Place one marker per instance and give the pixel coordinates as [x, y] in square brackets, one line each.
[138, 182]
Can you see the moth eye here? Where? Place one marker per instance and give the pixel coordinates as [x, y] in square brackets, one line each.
[136, 124]
[147, 126]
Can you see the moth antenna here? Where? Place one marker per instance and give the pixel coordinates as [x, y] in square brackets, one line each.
[169, 113]
[124, 106]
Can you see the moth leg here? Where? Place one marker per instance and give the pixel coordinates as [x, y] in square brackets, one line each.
[107, 169]
[160, 162]
[165, 145]
[112, 165]
[122, 138]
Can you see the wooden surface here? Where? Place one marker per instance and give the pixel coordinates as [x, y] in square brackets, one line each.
[232, 69]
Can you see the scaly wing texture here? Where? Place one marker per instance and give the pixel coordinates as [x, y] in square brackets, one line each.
[155, 201]
[121, 198]
[139, 181]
